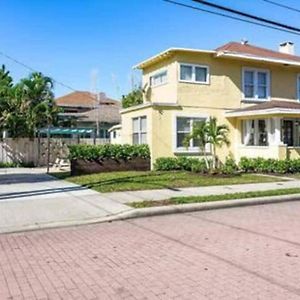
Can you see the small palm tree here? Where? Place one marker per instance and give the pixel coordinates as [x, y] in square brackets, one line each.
[199, 133]
[217, 135]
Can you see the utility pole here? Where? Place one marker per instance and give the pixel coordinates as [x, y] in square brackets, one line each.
[95, 95]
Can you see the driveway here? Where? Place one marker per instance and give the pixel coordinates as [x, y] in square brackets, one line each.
[31, 199]
[238, 253]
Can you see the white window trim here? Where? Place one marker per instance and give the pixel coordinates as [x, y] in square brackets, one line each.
[140, 132]
[207, 82]
[268, 129]
[298, 87]
[189, 150]
[255, 98]
[157, 73]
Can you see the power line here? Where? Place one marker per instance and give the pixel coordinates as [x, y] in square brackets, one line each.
[282, 5]
[247, 15]
[230, 17]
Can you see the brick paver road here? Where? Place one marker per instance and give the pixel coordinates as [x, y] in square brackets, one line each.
[241, 253]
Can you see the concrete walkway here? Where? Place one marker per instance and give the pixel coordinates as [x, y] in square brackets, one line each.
[163, 194]
[31, 199]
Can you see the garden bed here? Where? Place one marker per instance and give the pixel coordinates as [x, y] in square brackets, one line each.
[83, 166]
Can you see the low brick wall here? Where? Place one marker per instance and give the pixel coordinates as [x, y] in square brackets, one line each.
[82, 166]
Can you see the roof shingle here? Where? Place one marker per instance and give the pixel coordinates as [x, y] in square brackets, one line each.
[245, 48]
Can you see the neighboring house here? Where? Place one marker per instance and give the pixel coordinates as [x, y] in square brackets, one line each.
[115, 134]
[255, 91]
[86, 110]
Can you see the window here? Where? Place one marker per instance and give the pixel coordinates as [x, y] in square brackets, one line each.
[139, 135]
[255, 133]
[256, 84]
[184, 126]
[194, 73]
[298, 87]
[159, 78]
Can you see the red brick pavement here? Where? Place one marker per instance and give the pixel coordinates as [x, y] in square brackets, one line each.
[241, 253]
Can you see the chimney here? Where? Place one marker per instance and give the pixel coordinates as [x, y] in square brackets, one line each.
[287, 48]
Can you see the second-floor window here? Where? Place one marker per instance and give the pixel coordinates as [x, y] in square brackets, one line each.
[298, 87]
[194, 73]
[139, 130]
[159, 78]
[256, 84]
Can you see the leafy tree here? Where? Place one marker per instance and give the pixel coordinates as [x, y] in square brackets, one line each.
[27, 105]
[133, 98]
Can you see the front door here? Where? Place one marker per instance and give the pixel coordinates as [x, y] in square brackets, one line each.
[288, 132]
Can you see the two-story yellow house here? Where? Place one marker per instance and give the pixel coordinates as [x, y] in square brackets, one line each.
[255, 91]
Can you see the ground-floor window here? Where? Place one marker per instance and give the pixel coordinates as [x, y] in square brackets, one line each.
[255, 133]
[139, 129]
[184, 126]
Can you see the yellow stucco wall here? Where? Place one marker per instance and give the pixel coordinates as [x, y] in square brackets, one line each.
[223, 93]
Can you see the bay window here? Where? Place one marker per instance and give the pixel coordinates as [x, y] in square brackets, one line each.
[256, 84]
[139, 129]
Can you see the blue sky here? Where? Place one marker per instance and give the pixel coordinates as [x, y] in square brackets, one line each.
[70, 39]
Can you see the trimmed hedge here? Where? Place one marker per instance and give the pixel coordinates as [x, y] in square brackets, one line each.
[262, 165]
[180, 163]
[193, 164]
[108, 151]
[253, 165]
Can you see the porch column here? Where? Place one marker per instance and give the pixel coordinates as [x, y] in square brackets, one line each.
[277, 131]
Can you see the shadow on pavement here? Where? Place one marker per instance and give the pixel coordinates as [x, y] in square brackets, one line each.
[24, 178]
[15, 195]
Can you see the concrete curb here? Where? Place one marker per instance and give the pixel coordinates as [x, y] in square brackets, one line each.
[184, 208]
[161, 210]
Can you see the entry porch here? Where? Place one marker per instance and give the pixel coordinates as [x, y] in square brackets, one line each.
[268, 130]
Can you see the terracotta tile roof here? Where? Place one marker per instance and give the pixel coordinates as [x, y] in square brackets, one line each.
[83, 99]
[247, 49]
[270, 105]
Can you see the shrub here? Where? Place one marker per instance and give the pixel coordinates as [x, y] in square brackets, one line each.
[8, 165]
[177, 163]
[199, 166]
[99, 152]
[263, 165]
[229, 167]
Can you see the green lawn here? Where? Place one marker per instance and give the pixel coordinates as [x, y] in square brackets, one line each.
[211, 198]
[133, 181]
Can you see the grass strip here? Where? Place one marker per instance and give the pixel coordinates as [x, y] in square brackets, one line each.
[212, 198]
[134, 180]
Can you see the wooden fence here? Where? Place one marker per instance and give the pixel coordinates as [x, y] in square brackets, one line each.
[34, 151]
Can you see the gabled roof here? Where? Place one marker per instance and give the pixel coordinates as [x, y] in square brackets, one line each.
[268, 107]
[254, 52]
[84, 99]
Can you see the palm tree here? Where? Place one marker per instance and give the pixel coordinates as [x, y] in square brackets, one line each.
[199, 134]
[217, 135]
[37, 101]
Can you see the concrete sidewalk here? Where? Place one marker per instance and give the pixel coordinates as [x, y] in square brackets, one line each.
[163, 194]
[31, 199]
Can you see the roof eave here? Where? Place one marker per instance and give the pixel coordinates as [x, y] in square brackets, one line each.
[257, 58]
[167, 53]
[272, 111]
